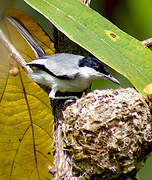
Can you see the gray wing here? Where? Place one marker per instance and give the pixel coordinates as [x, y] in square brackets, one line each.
[62, 65]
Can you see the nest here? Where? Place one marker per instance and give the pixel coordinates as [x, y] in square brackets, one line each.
[108, 133]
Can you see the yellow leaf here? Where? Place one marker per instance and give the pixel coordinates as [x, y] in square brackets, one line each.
[26, 119]
[148, 91]
[36, 31]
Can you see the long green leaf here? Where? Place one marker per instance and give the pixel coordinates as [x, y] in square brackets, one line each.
[104, 40]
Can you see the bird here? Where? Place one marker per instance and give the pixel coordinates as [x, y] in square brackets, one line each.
[62, 72]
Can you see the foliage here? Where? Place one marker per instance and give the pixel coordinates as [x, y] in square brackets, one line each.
[26, 119]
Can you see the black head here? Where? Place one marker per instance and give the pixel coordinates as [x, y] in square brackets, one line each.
[93, 63]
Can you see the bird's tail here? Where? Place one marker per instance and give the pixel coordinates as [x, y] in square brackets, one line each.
[39, 52]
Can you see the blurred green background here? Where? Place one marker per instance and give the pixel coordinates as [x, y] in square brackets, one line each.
[132, 16]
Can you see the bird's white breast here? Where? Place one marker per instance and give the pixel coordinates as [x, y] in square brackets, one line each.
[63, 85]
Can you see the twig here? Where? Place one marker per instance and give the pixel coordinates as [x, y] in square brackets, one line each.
[13, 52]
[147, 42]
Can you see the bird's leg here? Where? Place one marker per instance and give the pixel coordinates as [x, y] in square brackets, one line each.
[52, 93]
[53, 97]
[65, 97]
[86, 91]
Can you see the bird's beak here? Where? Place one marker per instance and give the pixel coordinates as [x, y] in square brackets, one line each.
[111, 78]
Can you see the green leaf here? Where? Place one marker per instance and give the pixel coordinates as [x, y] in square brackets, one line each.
[104, 40]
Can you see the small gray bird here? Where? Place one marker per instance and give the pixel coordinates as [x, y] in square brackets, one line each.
[62, 72]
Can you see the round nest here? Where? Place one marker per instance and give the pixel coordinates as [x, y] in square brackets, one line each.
[108, 133]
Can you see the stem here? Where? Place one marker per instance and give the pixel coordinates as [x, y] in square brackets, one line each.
[147, 42]
[13, 52]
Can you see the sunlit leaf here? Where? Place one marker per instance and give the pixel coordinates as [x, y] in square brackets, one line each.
[100, 37]
[26, 119]
[148, 92]
[36, 31]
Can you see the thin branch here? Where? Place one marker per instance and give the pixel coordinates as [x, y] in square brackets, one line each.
[147, 42]
[14, 53]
